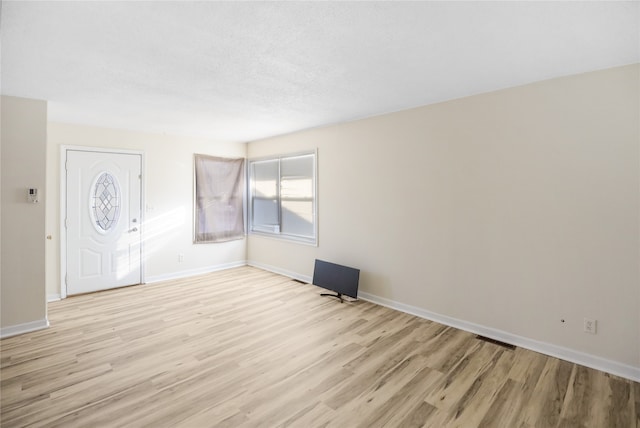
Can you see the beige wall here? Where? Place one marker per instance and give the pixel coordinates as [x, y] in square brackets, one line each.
[511, 210]
[23, 144]
[168, 187]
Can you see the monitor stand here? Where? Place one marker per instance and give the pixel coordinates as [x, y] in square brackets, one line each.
[338, 295]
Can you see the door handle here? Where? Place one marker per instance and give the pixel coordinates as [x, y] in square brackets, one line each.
[135, 229]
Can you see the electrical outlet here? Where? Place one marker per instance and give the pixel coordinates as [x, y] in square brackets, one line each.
[180, 258]
[590, 326]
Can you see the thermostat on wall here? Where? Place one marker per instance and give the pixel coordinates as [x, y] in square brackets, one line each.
[32, 195]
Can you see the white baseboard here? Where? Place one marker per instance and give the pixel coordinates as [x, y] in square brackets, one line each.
[53, 297]
[280, 271]
[567, 354]
[194, 272]
[27, 327]
[573, 356]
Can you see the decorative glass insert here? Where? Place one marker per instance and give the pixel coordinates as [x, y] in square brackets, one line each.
[105, 202]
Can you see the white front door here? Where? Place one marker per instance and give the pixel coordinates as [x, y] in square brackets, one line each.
[103, 220]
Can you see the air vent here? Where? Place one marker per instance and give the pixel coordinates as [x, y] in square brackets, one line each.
[496, 342]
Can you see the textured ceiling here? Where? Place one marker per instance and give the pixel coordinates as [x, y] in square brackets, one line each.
[241, 71]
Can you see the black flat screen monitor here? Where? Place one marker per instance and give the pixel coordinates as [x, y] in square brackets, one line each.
[338, 278]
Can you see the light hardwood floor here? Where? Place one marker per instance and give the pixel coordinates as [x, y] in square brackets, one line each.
[245, 347]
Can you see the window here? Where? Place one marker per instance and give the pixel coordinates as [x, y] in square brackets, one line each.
[219, 199]
[283, 197]
[105, 202]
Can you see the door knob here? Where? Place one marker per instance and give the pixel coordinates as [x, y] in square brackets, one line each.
[135, 229]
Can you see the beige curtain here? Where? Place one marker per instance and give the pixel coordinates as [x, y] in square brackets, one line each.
[219, 199]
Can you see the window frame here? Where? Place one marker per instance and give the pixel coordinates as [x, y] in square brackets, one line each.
[251, 229]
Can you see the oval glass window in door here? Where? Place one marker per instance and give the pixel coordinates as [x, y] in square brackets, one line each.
[105, 202]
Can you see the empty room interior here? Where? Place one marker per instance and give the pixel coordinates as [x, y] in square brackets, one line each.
[183, 181]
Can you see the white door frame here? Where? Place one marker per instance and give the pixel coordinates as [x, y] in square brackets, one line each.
[63, 207]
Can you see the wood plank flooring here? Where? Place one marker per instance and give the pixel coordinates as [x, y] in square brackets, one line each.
[248, 348]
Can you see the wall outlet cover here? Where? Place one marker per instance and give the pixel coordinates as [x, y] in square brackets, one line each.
[590, 325]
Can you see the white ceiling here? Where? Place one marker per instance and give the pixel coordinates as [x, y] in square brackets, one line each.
[241, 71]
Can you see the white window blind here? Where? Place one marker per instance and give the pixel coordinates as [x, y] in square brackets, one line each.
[283, 197]
[265, 196]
